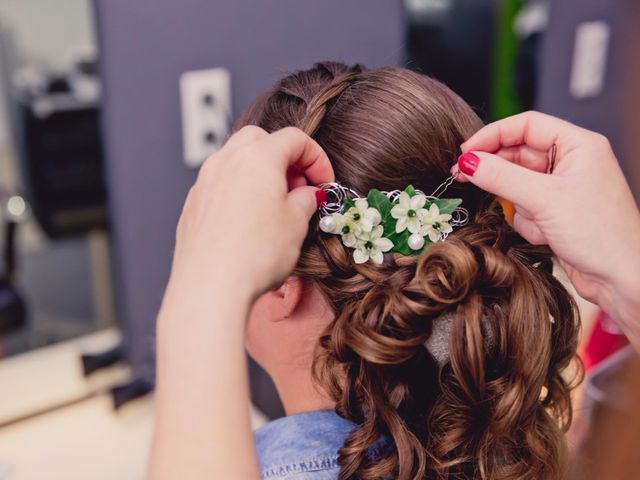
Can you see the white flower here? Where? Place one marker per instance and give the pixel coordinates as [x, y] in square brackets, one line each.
[349, 239]
[338, 224]
[361, 217]
[408, 212]
[434, 223]
[371, 245]
[358, 220]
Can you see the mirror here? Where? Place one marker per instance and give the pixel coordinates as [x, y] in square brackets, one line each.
[54, 268]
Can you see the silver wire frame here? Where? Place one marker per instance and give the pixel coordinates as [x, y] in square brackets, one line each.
[336, 194]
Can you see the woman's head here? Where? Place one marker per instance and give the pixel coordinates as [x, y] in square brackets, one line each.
[495, 407]
[384, 128]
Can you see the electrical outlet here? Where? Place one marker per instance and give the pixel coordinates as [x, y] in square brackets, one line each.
[206, 112]
[591, 52]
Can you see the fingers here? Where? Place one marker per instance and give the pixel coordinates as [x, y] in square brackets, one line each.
[295, 178]
[302, 203]
[244, 136]
[517, 184]
[527, 157]
[523, 155]
[534, 129]
[291, 146]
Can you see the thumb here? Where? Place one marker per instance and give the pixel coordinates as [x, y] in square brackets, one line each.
[302, 202]
[505, 179]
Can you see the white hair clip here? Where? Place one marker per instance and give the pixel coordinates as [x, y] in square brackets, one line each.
[404, 221]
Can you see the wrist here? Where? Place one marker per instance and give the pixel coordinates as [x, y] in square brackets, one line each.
[620, 294]
[221, 277]
[196, 295]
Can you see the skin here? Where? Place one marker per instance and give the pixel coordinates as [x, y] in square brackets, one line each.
[202, 427]
[584, 210]
[282, 334]
[202, 424]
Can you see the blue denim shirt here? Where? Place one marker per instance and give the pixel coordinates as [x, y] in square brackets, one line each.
[302, 446]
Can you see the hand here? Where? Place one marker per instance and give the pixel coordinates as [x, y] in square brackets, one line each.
[248, 212]
[240, 233]
[583, 210]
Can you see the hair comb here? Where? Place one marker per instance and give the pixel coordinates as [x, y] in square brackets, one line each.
[403, 221]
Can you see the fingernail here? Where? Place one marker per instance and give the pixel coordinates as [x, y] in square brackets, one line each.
[468, 163]
[321, 197]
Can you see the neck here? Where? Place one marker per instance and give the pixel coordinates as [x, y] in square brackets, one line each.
[298, 392]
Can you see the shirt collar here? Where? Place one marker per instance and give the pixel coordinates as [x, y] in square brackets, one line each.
[320, 433]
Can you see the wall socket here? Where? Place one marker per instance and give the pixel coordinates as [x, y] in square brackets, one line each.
[590, 55]
[206, 113]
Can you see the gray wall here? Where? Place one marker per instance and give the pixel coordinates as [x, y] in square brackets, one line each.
[145, 45]
[616, 112]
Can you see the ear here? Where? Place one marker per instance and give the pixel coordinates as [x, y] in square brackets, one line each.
[289, 296]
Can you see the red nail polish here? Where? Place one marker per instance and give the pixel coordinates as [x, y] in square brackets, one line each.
[468, 163]
[321, 197]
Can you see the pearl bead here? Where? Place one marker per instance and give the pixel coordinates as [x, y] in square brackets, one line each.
[328, 224]
[415, 241]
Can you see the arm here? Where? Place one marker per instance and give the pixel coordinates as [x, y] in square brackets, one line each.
[620, 296]
[203, 428]
[222, 262]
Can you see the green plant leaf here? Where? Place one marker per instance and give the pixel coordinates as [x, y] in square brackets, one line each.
[400, 244]
[380, 202]
[447, 205]
[389, 226]
[348, 203]
[410, 190]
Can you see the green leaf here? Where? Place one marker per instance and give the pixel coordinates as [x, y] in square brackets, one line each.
[389, 228]
[447, 205]
[380, 202]
[410, 190]
[348, 203]
[401, 244]
[400, 240]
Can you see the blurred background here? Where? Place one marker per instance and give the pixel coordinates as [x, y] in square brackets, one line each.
[107, 108]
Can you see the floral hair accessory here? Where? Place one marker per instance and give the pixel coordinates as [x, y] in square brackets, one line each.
[405, 222]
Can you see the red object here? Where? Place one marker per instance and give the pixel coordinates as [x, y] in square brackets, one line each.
[606, 339]
[468, 163]
[321, 197]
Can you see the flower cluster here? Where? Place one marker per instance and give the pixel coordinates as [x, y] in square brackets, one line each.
[411, 214]
[360, 228]
[376, 225]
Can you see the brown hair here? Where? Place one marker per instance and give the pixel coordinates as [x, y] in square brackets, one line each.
[497, 408]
